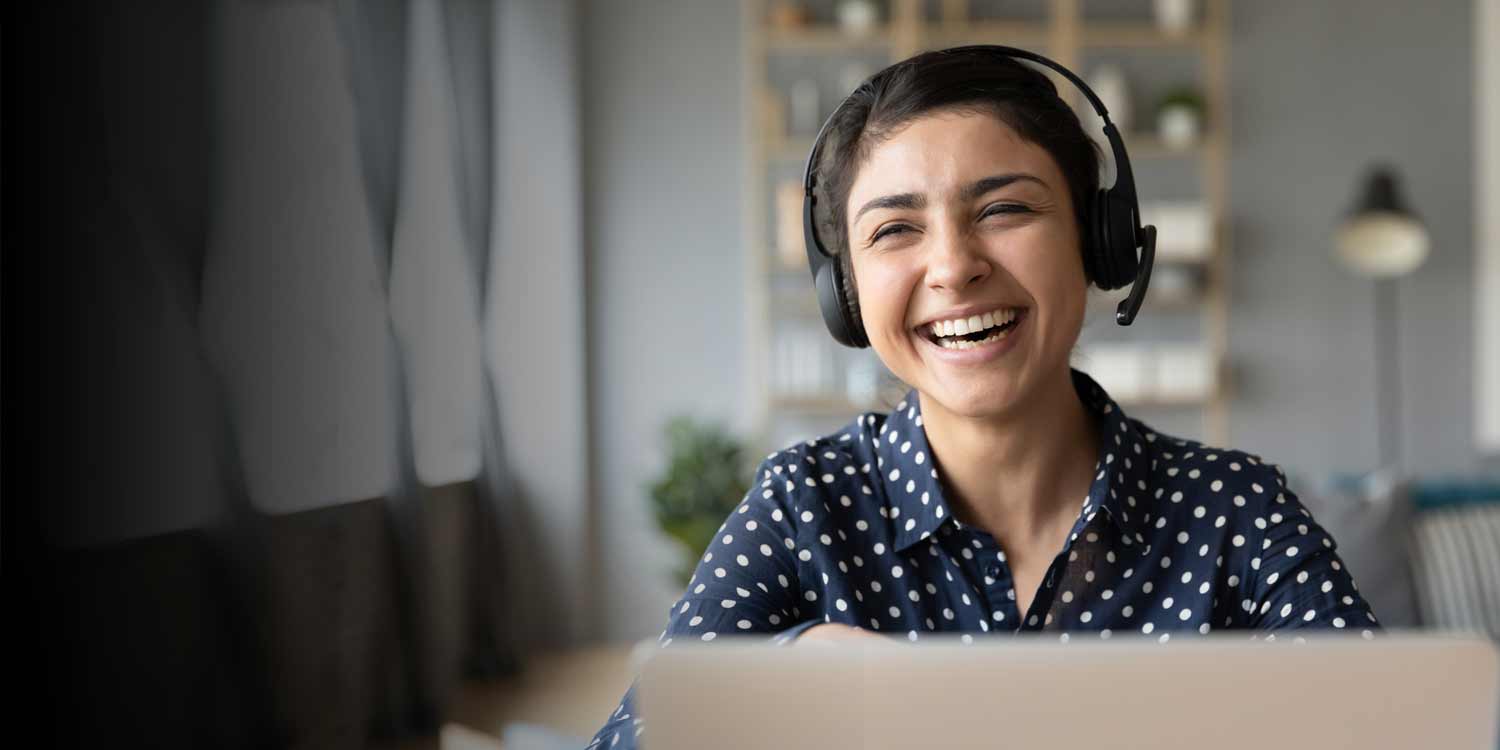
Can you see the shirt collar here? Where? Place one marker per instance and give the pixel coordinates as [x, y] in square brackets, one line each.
[917, 508]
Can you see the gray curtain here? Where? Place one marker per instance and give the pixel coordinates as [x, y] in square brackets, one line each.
[297, 513]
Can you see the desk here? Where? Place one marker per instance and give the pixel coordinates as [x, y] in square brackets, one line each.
[570, 691]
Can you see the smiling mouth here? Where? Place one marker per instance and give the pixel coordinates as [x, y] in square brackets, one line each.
[974, 339]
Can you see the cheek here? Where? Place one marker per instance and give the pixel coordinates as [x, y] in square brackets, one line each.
[884, 291]
[1050, 269]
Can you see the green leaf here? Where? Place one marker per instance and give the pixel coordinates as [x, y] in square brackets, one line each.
[704, 480]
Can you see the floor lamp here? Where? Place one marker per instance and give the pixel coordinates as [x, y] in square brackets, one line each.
[1383, 239]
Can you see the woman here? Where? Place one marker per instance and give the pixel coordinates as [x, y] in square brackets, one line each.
[1008, 492]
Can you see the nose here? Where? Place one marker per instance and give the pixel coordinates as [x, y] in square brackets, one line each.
[956, 261]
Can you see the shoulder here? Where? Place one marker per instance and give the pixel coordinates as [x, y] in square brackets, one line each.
[804, 480]
[1191, 474]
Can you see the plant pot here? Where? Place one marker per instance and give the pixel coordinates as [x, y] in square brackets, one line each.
[1112, 88]
[1178, 126]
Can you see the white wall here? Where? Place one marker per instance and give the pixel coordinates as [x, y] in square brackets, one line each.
[1487, 224]
[663, 177]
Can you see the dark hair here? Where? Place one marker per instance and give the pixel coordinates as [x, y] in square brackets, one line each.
[1019, 95]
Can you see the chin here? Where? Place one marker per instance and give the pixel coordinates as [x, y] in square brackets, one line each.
[976, 399]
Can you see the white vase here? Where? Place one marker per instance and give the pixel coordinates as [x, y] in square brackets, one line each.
[1109, 84]
[1174, 16]
[1178, 126]
[857, 16]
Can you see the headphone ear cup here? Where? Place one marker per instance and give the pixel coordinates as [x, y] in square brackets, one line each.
[830, 288]
[1122, 239]
[1096, 250]
[1113, 254]
[850, 300]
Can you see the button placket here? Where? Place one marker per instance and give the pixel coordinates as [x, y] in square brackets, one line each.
[999, 588]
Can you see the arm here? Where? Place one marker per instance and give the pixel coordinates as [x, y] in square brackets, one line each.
[1295, 578]
[746, 583]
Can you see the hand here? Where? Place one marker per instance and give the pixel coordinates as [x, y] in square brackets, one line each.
[833, 633]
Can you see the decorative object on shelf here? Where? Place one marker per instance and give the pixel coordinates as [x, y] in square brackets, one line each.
[1384, 240]
[1112, 88]
[857, 17]
[1179, 117]
[787, 15]
[705, 478]
[1174, 16]
[805, 111]
[1184, 230]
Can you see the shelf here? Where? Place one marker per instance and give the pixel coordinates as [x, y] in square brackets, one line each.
[1148, 145]
[1159, 402]
[823, 405]
[1138, 35]
[783, 295]
[1014, 33]
[1174, 304]
[827, 39]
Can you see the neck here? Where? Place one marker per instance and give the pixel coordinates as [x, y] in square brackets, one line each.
[1020, 473]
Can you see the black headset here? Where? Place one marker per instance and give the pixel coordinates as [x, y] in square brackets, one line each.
[1112, 224]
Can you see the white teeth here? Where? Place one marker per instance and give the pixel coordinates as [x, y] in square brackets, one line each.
[966, 344]
[973, 323]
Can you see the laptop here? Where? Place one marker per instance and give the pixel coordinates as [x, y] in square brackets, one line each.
[1221, 691]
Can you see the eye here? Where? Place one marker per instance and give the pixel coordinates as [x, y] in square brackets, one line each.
[888, 230]
[1004, 208]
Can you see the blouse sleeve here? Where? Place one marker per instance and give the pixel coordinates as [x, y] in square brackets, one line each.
[1296, 579]
[746, 583]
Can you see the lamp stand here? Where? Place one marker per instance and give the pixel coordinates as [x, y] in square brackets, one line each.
[1388, 375]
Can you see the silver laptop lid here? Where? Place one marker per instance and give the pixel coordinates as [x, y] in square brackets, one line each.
[1221, 691]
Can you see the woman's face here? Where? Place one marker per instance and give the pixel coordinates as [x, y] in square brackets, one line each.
[952, 217]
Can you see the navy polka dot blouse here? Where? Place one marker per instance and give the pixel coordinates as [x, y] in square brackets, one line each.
[1175, 538]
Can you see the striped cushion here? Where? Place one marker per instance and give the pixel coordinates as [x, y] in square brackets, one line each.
[1456, 563]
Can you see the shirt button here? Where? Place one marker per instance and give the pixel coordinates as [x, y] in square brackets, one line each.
[992, 570]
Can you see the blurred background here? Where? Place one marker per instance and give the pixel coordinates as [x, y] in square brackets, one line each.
[380, 367]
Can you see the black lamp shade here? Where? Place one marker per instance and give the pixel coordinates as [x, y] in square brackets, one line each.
[1382, 237]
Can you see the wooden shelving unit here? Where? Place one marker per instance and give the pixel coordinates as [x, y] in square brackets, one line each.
[1065, 34]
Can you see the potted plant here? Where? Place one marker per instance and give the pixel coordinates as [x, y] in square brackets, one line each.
[706, 477]
[1179, 117]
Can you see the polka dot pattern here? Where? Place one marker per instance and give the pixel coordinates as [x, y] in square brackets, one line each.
[1175, 538]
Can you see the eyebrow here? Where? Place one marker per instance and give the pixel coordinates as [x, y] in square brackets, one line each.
[972, 191]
